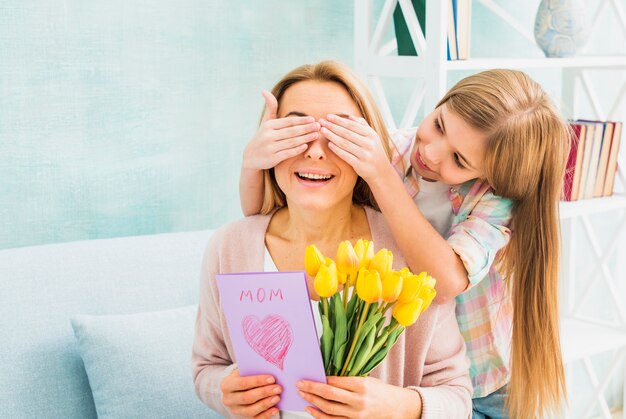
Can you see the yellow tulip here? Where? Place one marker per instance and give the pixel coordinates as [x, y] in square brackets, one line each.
[364, 250]
[407, 313]
[347, 260]
[427, 294]
[392, 285]
[411, 287]
[369, 287]
[325, 282]
[341, 277]
[382, 262]
[313, 259]
[430, 281]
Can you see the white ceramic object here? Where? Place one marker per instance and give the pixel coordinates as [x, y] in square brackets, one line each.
[561, 27]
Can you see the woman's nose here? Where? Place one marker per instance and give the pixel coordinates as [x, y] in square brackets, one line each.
[316, 149]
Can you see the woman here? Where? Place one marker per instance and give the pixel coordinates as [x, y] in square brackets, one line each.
[317, 198]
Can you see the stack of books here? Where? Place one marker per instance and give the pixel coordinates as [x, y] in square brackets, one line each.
[592, 161]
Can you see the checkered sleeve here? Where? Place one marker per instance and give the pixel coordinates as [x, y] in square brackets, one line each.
[478, 238]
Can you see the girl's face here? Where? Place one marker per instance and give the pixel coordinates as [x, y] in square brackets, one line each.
[447, 149]
[316, 179]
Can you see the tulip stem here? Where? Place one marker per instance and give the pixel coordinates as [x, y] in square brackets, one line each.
[355, 338]
[345, 293]
[325, 303]
[383, 307]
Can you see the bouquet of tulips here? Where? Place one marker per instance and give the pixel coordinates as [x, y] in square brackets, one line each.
[357, 333]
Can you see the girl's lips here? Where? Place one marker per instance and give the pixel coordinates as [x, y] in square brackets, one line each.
[418, 158]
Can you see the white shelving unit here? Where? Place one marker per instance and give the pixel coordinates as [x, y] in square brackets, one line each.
[583, 337]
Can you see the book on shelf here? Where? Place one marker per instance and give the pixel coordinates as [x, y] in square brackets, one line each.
[463, 25]
[584, 169]
[592, 160]
[458, 28]
[453, 51]
[570, 168]
[604, 158]
[611, 170]
[403, 36]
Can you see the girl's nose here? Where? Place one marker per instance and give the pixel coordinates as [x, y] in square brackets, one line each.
[432, 152]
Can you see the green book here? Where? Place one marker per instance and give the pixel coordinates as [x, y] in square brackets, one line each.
[405, 43]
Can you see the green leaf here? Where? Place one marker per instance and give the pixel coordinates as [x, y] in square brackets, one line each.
[375, 360]
[364, 352]
[381, 323]
[326, 341]
[341, 333]
[368, 326]
[352, 308]
[393, 336]
[339, 357]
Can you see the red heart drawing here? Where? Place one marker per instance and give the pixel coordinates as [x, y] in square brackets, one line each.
[271, 338]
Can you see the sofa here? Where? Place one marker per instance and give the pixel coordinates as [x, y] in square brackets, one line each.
[100, 328]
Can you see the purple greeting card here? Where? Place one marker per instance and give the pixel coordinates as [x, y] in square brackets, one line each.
[272, 329]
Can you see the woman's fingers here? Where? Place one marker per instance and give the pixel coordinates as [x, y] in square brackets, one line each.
[327, 392]
[235, 382]
[329, 407]
[252, 396]
[257, 409]
[318, 414]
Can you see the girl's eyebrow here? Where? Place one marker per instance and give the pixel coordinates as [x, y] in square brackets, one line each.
[443, 129]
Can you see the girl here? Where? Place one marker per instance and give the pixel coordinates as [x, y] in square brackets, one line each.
[496, 146]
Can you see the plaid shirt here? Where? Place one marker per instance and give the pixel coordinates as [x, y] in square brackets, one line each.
[479, 230]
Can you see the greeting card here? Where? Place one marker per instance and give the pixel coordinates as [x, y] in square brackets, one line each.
[272, 328]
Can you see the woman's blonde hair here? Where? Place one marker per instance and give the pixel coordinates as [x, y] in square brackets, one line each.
[330, 71]
[528, 142]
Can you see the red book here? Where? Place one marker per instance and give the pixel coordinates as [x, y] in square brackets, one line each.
[570, 168]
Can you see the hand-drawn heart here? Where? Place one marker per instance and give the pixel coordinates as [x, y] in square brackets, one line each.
[271, 338]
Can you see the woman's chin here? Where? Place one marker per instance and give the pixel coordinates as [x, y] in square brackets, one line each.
[318, 204]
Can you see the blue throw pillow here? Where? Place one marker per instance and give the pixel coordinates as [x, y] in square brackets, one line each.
[139, 365]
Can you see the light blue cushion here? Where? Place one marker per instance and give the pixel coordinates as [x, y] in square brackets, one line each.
[139, 365]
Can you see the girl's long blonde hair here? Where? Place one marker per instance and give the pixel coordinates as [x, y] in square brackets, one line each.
[330, 71]
[528, 142]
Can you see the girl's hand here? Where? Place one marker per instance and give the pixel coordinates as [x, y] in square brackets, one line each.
[253, 396]
[359, 397]
[353, 140]
[278, 139]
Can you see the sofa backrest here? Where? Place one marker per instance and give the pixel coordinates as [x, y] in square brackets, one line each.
[42, 287]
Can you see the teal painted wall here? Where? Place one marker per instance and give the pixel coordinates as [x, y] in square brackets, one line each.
[122, 118]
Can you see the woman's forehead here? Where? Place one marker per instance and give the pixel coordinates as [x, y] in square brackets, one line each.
[317, 99]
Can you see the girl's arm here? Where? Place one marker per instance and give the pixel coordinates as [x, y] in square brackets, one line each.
[275, 140]
[423, 248]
